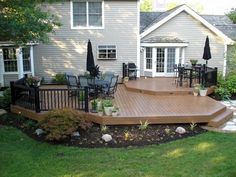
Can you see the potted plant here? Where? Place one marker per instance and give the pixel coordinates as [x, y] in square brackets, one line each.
[94, 105]
[100, 111]
[203, 90]
[126, 79]
[33, 81]
[196, 89]
[115, 111]
[193, 62]
[108, 106]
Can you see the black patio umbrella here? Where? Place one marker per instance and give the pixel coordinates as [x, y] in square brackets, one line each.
[90, 59]
[207, 51]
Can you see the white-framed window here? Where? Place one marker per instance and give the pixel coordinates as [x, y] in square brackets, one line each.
[26, 59]
[87, 14]
[148, 58]
[9, 59]
[107, 52]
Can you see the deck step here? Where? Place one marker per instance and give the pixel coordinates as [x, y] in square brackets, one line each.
[221, 118]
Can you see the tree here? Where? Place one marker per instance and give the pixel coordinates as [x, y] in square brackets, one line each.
[25, 21]
[195, 5]
[146, 6]
[232, 15]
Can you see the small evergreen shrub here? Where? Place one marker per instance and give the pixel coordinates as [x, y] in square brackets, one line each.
[5, 100]
[61, 123]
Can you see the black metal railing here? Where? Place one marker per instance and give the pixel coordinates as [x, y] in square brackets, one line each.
[44, 99]
[209, 77]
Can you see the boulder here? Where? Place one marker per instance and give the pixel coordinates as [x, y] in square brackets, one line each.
[76, 134]
[180, 130]
[2, 111]
[39, 131]
[106, 137]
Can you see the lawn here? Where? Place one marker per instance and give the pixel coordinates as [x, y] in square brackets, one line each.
[209, 154]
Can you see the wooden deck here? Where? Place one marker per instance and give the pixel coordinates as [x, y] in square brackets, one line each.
[158, 86]
[162, 103]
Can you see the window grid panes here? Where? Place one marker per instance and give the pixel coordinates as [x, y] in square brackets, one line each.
[148, 58]
[170, 60]
[107, 52]
[87, 14]
[160, 60]
[10, 61]
[95, 14]
[26, 59]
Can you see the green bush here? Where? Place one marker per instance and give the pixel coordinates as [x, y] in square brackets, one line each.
[60, 78]
[226, 86]
[222, 93]
[61, 123]
[5, 100]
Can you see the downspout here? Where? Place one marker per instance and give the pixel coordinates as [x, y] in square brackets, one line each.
[225, 60]
[138, 39]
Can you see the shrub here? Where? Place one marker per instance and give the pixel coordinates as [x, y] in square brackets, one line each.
[222, 93]
[60, 78]
[61, 123]
[5, 100]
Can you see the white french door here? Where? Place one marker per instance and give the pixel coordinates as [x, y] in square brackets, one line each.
[164, 60]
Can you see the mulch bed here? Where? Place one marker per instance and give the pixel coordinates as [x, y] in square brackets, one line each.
[123, 136]
[233, 97]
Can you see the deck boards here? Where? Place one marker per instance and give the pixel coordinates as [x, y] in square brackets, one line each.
[155, 106]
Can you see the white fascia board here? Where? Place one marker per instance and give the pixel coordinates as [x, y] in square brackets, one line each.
[194, 15]
[164, 44]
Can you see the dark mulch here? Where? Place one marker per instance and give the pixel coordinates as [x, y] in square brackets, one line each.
[154, 134]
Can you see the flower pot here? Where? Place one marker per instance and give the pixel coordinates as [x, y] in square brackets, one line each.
[114, 114]
[195, 93]
[108, 110]
[126, 79]
[99, 105]
[100, 113]
[203, 92]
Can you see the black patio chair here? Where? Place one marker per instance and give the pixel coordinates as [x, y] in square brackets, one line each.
[72, 84]
[110, 89]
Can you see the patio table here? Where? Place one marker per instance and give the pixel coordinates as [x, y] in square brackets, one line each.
[191, 69]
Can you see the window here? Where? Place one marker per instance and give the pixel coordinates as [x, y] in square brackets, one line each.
[87, 14]
[26, 59]
[148, 58]
[10, 61]
[170, 60]
[107, 52]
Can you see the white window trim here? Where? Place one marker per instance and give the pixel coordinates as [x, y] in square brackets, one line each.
[164, 44]
[19, 58]
[11, 72]
[145, 60]
[85, 27]
[106, 58]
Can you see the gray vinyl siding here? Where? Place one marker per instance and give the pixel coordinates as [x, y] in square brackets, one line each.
[68, 49]
[8, 78]
[142, 63]
[186, 28]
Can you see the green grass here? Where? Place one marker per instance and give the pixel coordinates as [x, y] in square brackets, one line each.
[209, 155]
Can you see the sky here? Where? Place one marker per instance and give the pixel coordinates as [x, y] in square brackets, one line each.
[209, 6]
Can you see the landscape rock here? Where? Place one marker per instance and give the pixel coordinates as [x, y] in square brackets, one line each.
[2, 111]
[180, 130]
[76, 134]
[106, 137]
[39, 131]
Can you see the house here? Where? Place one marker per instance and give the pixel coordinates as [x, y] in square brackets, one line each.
[111, 25]
[178, 35]
[119, 33]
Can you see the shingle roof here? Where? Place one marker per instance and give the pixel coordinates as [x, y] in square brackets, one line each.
[163, 39]
[221, 22]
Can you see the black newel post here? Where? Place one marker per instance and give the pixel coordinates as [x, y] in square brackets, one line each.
[37, 103]
[13, 95]
[86, 94]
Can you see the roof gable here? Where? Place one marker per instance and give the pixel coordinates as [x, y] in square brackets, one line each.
[168, 15]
